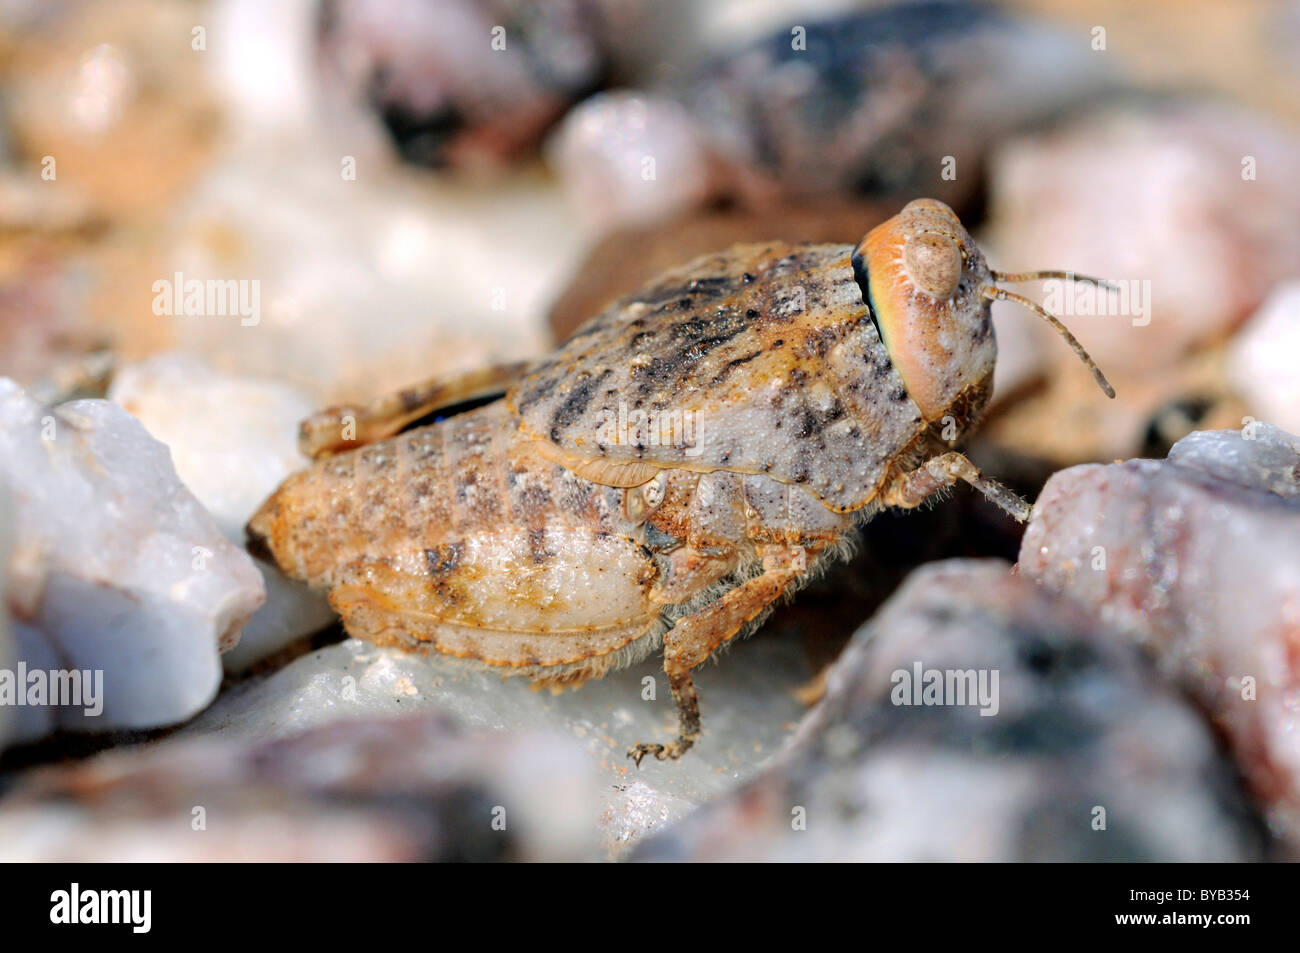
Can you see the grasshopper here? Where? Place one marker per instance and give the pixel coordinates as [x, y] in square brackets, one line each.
[691, 455]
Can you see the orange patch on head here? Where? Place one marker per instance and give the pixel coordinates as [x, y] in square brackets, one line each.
[912, 266]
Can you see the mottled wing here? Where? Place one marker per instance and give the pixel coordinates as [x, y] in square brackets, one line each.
[760, 359]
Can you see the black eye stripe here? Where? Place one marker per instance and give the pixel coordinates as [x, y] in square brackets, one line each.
[863, 280]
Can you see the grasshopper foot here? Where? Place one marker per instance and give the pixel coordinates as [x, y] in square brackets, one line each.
[666, 752]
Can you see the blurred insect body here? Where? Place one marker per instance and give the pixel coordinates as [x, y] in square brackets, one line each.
[823, 382]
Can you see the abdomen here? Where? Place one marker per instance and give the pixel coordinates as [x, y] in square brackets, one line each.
[458, 536]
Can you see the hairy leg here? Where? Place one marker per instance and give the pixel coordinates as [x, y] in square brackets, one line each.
[695, 637]
[911, 489]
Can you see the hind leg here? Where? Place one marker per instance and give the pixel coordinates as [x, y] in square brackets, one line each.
[342, 428]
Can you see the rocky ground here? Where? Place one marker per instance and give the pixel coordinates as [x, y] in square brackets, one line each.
[1117, 680]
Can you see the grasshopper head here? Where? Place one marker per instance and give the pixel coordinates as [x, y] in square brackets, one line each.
[931, 293]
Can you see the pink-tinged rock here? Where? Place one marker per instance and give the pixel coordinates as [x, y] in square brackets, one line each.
[1199, 557]
[42, 319]
[1161, 194]
[412, 788]
[1264, 364]
[115, 568]
[1062, 745]
[627, 158]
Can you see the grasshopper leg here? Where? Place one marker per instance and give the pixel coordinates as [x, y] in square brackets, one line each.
[349, 426]
[695, 637]
[913, 488]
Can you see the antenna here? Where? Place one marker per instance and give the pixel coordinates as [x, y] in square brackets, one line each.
[1016, 277]
[1002, 294]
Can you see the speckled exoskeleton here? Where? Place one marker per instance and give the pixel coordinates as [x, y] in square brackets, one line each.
[689, 456]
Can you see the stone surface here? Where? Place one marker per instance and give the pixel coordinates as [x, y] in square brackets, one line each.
[468, 85]
[232, 441]
[28, 204]
[879, 100]
[747, 702]
[1081, 723]
[1187, 206]
[108, 89]
[627, 159]
[1265, 359]
[1198, 556]
[831, 103]
[409, 788]
[42, 308]
[116, 567]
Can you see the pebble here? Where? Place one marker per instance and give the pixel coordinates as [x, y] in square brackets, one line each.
[1083, 755]
[1198, 558]
[1264, 362]
[413, 788]
[356, 285]
[232, 440]
[1189, 206]
[116, 568]
[835, 103]
[8, 650]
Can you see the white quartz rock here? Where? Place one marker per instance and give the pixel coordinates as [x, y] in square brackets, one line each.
[600, 152]
[1265, 358]
[233, 440]
[30, 646]
[366, 280]
[116, 565]
[292, 610]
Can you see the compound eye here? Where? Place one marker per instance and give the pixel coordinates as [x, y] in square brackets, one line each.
[933, 263]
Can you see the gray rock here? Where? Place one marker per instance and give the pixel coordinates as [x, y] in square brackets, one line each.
[1197, 556]
[375, 789]
[855, 108]
[747, 701]
[1081, 726]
